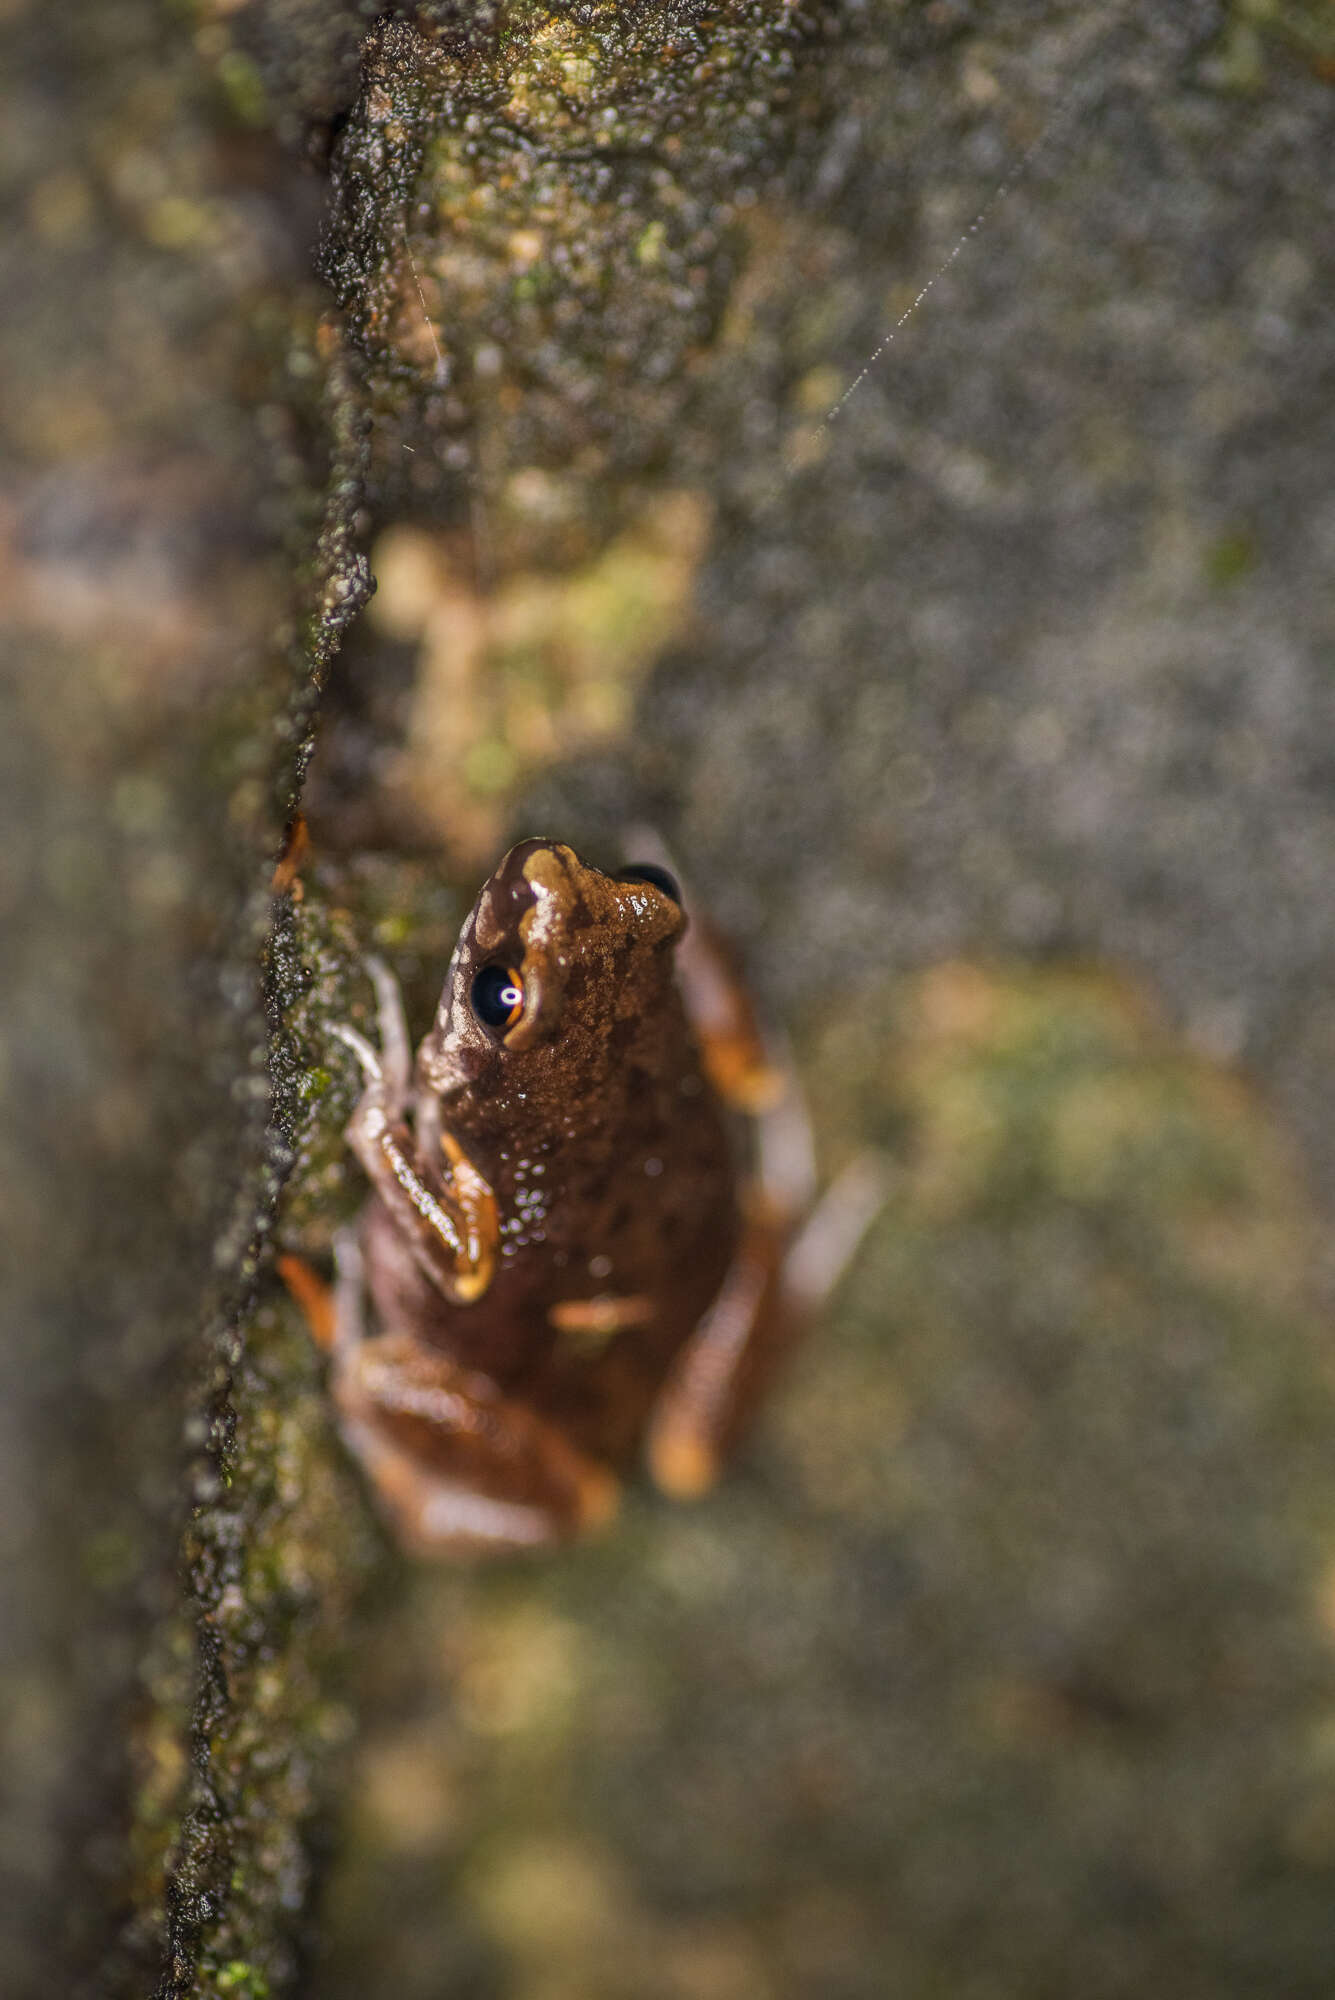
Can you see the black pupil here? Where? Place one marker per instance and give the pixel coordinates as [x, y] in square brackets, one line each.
[495, 996]
[647, 871]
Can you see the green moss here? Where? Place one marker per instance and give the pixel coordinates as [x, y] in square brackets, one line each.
[1255, 31]
[241, 1979]
[575, 184]
[278, 1557]
[243, 87]
[1230, 559]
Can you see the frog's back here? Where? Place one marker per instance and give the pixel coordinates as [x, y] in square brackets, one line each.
[608, 1155]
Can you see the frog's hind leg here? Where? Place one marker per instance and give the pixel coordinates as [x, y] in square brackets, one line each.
[828, 1240]
[747, 1066]
[791, 1255]
[459, 1469]
[778, 1281]
[717, 1378]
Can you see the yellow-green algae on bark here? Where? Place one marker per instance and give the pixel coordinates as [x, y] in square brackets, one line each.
[536, 222]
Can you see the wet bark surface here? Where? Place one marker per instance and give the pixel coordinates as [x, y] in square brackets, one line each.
[1002, 1665]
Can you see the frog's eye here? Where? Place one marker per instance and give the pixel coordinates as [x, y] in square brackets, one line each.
[497, 996]
[648, 871]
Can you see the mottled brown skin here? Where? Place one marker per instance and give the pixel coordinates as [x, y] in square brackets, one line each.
[600, 1145]
[558, 1256]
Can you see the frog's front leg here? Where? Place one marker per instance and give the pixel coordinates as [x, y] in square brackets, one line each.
[448, 1218]
[459, 1468]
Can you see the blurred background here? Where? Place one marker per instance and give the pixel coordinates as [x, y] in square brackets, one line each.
[991, 717]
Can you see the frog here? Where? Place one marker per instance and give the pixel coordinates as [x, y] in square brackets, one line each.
[591, 1235]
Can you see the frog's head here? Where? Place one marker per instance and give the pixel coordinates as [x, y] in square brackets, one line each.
[560, 970]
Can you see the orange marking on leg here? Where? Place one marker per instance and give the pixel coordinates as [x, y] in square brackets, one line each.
[740, 1074]
[291, 861]
[482, 1221]
[313, 1296]
[592, 1322]
[682, 1466]
[599, 1498]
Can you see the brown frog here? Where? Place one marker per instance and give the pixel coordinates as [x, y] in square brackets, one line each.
[565, 1261]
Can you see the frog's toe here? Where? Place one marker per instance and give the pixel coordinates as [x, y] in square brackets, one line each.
[367, 1056]
[682, 1463]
